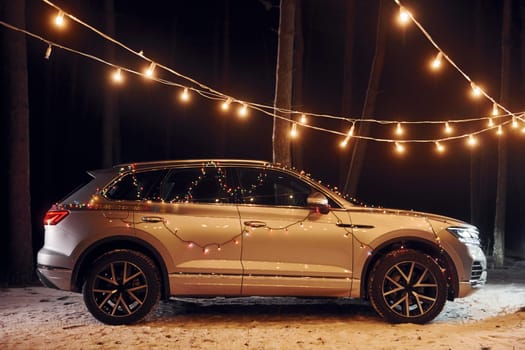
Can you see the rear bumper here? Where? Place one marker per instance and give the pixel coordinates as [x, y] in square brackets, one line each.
[54, 277]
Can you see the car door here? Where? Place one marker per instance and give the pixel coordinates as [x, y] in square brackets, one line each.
[190, 218]
[288, 248]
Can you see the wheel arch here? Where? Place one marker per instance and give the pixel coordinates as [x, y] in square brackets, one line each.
[113, 243]
[418, 244]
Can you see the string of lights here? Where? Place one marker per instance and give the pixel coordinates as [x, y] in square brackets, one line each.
[496, 121]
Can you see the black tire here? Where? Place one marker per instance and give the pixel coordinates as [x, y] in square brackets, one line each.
[407, 286]
[122, 287]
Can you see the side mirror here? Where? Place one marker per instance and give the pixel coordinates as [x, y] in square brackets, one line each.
[318, 202]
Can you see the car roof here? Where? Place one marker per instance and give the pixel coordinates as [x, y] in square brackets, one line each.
[192, 162]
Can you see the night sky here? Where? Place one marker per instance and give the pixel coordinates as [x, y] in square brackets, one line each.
[67, 94]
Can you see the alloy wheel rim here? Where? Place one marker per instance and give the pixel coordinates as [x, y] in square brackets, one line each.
[120, 289]
[410, 289]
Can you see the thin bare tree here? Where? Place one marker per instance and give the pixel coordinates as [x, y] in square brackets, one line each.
[283, 83]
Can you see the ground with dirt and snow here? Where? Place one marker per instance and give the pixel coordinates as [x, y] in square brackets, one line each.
[492, 318]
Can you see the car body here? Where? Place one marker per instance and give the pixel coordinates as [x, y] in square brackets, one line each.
[140, 232]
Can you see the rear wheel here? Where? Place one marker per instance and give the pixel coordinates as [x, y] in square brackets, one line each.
[122, 287]
[407, 286]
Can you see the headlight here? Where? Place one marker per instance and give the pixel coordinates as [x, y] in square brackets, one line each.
[467, 235]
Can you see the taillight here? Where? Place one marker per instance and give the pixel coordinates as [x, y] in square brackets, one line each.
[53, 217]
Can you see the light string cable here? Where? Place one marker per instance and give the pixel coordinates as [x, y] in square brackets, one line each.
[221, 95]
[442, 54]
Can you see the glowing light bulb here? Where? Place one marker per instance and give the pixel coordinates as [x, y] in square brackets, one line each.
[59, 19]
[48, 52]
[471, 141]
[436, 63]
[399, 129]
[117, 76]
[151, 70]
[243, 110]
[303, 119]
[500, 130]
[400, 148]
[448, 128]
[439, 147]
[514, 122]
[348, 136]
[185, 95]
[404, 15]
[226, 104]
[495, 110]
[491, 123]
[293, 131]
[476, 90]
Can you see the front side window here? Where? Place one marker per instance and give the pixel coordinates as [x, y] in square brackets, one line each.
[270, 187]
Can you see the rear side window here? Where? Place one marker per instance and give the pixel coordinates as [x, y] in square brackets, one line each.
[137, 186]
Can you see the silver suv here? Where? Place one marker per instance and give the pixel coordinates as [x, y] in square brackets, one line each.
[140, 232]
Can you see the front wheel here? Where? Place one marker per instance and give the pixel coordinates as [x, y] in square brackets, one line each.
[122, 287]
[407, 286]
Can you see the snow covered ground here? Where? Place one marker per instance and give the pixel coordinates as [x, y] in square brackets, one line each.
[42, 318]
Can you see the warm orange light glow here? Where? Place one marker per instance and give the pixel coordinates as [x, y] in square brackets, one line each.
[400, 148]
[293, 131]
[495, 109]
[243, 110]
[59, 19]
[399, 129]
[117, 76]
[404, 16]
[500, 130]
[185, 95]
[226, 104]
[439, 147]
[491, 123]
[303, 119]
[472, 141]
[436, 63]
[476, 90]
[448, 128]
[348, 136]
[514, 122]
[151, 69]
[48, 52]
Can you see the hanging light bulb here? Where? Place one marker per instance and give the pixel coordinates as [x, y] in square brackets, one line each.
[399, 129]
[303, 119]
[293, 131]
[400, 148]
[226, 104]
[439, 147]
[436, 63]
[491, 123]
[243, 110]
[500, 130]
[48, 52]
[471, 141]
[185, 95]
[404, 15]
[495, 110]
[476, 90]
[117, 76]
[448, 128]
[348, 136]
[514, 122]
[59, 19]
[151, 69]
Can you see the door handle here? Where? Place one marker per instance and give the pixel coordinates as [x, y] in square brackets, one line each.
[255, 224]
[151, 219]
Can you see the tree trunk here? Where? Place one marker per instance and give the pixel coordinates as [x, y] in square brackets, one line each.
[359, 148]
[501, 188]
[283, 83]
[346, 101]
[110, 124]
[298, 58]
[19, 231]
